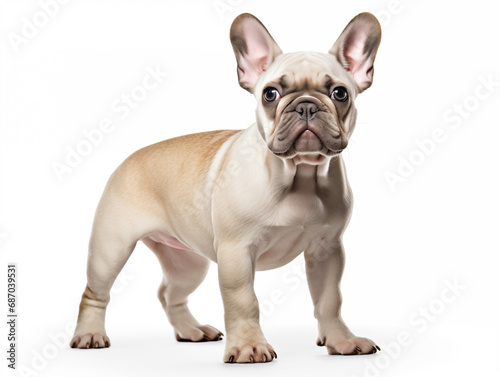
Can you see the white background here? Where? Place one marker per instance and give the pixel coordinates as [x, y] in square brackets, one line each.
[439, 225]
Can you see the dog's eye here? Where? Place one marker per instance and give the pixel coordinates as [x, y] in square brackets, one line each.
[271, 94]
[340, 94]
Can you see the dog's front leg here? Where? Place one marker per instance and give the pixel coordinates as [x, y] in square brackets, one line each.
[324, 266]
[245, 341]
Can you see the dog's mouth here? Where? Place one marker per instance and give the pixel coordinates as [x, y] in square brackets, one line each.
[295, 137]
[307, 141]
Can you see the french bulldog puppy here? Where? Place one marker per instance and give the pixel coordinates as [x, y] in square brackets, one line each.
[248, 200]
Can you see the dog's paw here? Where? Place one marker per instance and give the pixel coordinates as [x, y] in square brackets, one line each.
[198, 334]
[95, 340]
[351, 346]
[250, 352]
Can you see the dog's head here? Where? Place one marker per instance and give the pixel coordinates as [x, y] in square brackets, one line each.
[305, 100]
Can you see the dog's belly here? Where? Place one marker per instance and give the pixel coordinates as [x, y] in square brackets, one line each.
[284, 244]
[165, 239]
[280, 246]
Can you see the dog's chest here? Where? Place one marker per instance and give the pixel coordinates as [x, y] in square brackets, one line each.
[307, 201]
[312, 210]
[298, 221]
[299, 209]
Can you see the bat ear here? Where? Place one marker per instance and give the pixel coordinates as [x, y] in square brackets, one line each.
[254, 48]
[357, 47]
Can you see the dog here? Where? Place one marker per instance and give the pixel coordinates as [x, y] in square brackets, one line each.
[248, 200]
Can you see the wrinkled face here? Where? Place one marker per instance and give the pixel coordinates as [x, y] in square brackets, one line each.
[306, 105]
[305, 100]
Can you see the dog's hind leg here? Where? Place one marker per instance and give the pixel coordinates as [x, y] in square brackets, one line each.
[183, 272]
[113, 239]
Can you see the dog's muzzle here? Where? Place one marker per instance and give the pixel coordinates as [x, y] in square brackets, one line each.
[308, 126]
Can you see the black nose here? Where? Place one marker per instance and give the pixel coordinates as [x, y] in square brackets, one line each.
[307, 110]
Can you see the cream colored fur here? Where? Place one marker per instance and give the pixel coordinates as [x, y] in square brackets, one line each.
[224, 196]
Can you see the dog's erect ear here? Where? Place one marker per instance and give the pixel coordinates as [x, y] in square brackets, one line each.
[254, 48]
[357, 46]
